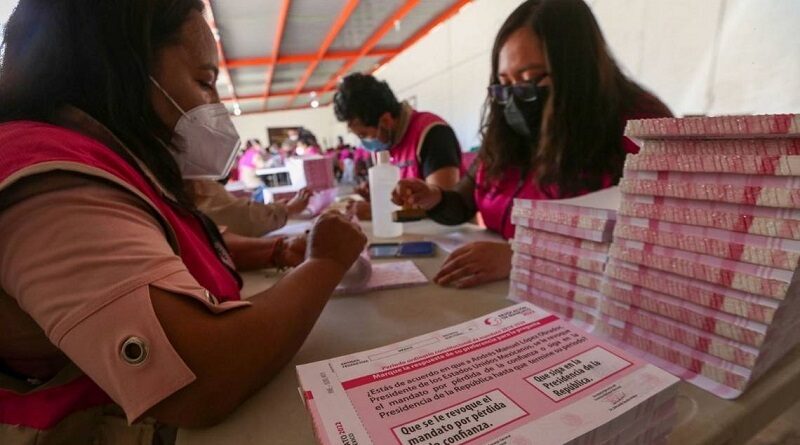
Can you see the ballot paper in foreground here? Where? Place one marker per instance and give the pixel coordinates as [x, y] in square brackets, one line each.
[516, 376]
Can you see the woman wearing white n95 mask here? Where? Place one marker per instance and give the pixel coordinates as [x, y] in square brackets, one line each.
[205, 144]
[206, 147]
[128, 309]
[206, 140]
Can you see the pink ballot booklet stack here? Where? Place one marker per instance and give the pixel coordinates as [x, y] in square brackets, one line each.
[319, 173]
[702, 269]
[560, 252]
[517, 376]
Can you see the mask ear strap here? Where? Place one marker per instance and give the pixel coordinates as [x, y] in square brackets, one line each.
[389, 134]
[167, 96]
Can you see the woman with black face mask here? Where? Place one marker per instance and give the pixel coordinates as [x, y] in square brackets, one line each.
[553, 126]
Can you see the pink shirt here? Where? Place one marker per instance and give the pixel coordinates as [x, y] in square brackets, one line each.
[362, 154]
[313, 150]
[248, 158]
[345, 154]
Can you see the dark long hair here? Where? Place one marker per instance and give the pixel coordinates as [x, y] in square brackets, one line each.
[95, 55]
[581, 134]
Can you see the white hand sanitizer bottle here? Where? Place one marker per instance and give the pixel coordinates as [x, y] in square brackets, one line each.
[383, 178]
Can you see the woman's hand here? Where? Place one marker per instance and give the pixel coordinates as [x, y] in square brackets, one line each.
[336, 238]
[362, 190]
[293, 253]
[416, 193]
[361, 209]
[299, 202]
[476, 263]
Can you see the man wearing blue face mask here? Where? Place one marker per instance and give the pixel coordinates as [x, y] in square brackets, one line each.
[421, 144]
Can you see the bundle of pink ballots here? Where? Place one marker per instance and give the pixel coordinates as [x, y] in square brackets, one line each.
[516, 376]
[706, 247]
[560, 252]
[700, 273]
[319, 173]
[320, 179]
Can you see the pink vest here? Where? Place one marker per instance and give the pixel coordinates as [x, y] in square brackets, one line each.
[494, 199]
[405, 154]
[26, 144]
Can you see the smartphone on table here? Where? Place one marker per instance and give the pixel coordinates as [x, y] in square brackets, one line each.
[413, 249]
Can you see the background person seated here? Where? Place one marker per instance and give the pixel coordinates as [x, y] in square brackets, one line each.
[421, 144]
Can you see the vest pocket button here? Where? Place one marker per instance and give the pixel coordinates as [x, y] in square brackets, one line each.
[210, 297]
[134, 351]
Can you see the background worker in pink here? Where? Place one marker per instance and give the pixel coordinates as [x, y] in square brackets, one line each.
[421, 144]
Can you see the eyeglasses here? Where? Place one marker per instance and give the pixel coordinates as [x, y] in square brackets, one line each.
[525, 91]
